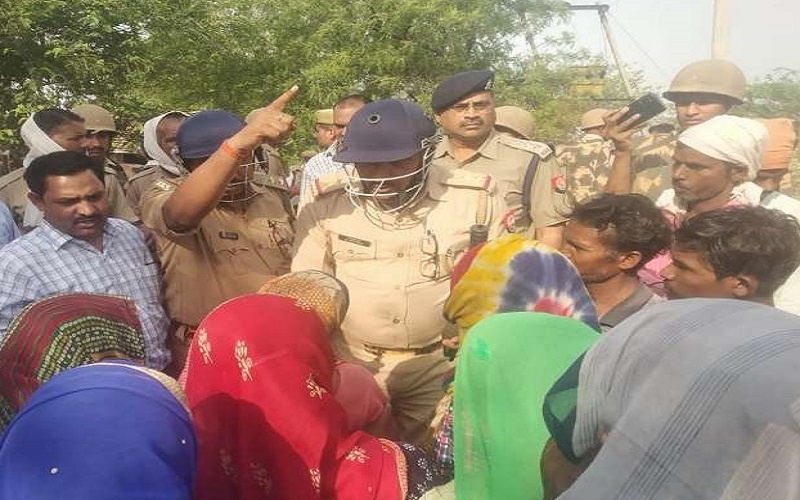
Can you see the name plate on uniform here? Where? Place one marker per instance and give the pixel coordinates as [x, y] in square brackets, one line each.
[355, 241]
[229, 235]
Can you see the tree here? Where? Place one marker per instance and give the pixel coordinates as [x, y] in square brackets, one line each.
[146, 56]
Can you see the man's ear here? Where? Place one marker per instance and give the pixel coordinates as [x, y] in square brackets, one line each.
[738, 174]
[742, 286]
[438, 118]
[36, 200]
[628, 260]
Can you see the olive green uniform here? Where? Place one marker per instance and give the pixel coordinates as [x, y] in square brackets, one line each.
[587, 164]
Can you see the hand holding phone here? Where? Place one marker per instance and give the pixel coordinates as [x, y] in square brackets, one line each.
[647, 107]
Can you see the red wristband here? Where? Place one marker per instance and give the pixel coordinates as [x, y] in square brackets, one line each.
[236, 154]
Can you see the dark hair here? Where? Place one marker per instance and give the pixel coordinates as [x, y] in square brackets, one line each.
[627, 223]
[59, 163]
[50, 118]
[756, 241]
[352, 99]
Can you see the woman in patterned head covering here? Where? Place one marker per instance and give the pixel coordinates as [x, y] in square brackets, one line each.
[259, 383]
[62, 332]
[107, 430]
[509, 274]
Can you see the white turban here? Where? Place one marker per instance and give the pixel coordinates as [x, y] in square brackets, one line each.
[152, 148]
[732, 139]
[39, 143]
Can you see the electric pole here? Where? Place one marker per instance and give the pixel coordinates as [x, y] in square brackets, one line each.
[720, 41]
[602, 10]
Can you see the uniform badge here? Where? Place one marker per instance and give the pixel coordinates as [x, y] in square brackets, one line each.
[355, 241]
[229, 235]
[559, 184]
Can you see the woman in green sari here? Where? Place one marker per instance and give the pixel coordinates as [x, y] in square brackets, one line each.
[507, 365]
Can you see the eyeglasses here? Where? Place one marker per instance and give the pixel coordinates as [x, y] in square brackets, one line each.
[478, 106]
[429, 267]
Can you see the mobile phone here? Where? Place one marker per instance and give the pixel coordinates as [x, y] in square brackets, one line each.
[647, 107]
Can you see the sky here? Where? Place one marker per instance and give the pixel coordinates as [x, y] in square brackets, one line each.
[659, 37]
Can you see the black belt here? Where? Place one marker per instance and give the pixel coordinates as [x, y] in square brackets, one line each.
[378, 350]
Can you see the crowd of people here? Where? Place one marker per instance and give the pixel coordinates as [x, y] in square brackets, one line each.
[431, 308]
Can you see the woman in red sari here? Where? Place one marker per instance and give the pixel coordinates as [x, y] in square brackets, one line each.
[259, 384]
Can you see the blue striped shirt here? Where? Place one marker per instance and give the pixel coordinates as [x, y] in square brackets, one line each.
[8, 229]
[46, 261]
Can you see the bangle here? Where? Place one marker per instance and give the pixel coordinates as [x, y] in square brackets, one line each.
[236, 154]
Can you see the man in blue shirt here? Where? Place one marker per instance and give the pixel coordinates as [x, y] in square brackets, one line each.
[78, 248]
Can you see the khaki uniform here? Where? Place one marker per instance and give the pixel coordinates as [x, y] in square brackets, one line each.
[506, 159]
[14, 193]
[396, 267]
[229, 254]
[587, 164]
[141, 181]
[652, 164]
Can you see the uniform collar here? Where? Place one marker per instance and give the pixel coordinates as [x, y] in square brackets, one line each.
[488, 149]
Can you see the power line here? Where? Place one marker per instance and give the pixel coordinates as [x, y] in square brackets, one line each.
[663, 73]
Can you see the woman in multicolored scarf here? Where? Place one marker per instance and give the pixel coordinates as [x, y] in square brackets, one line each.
[509, 274]
[62, 332]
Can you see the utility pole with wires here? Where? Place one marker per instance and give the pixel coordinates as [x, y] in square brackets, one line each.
[720, 41]
[602, 10]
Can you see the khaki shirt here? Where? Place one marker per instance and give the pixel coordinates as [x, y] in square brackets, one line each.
[506, 159]
[651, 165]
[587, 164]
[141, 181]
[396, 266]
[14, 193]
[228, 255]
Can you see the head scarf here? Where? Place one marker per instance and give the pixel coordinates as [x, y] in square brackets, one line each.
[316, 290]
[152, 148]
[62, 332]
[697, 398]
[259, 385]
[731, 139]
[38, 142]
[515, 273]
[353, 385]
[506, 366]
[102, 431]
[782, 143]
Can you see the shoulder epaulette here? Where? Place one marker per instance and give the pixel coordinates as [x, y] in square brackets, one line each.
[12, 176]
[329, 183]
[142, 173]
[164, 185]
[539, 148]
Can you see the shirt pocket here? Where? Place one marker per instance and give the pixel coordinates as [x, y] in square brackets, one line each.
[348, 248]
[234, 251]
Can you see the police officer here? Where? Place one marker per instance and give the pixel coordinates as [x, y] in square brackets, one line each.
[218, 234]
[160, 137]
[587, 162]
[392, 231]
[701, 90]
[527, 174]
[325, 132]
[100, 131]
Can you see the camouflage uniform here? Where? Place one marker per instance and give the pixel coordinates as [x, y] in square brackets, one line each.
[652, 164]
[587, 164]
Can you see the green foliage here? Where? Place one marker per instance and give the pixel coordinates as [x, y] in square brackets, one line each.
[776, 96]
